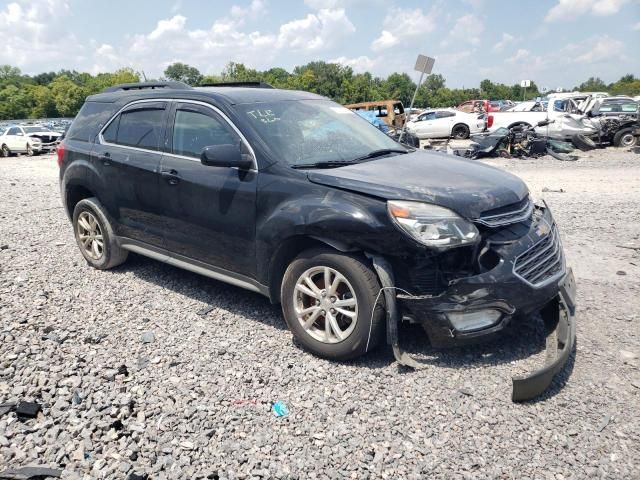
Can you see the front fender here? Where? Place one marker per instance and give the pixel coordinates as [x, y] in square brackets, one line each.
[343, 220]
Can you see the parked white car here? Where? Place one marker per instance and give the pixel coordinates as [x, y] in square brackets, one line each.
[445, 123]
[29, 139]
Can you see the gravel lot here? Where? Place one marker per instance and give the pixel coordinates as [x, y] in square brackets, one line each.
[195, 400]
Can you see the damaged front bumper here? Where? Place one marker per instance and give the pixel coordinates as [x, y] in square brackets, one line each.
[530, 276]
[560, 316]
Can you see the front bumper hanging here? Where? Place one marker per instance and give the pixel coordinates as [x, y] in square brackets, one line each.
[558, 315]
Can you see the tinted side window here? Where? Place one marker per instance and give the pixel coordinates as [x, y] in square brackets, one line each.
[141, 128]
[13, 131]
[90, 119]
[444, 114]
[194, 130]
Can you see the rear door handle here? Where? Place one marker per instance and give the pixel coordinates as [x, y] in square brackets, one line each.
[171, 176]
[105, 158]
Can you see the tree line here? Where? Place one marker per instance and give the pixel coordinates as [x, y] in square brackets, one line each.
[61, 94]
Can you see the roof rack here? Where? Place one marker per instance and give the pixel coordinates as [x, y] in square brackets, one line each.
[147, 85]
[238, 84]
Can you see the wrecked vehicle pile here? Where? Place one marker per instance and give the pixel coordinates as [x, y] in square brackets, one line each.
[521, 142]
[585, 119]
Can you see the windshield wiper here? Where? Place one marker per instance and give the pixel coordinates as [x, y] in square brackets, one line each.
[379, 153]
[341, 163]
[327, 164]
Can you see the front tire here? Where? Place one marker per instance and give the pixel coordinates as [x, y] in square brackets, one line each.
[5, 152]
[29, 150]
[331, 303]
[624, 139]
[95, 237]
[460, 132]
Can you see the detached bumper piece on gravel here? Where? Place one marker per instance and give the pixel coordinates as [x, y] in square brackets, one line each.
[532, 277]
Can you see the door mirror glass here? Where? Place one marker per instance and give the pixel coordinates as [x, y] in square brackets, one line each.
[226, 155]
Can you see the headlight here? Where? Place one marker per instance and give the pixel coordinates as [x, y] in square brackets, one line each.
[537, 198]
[431, 225]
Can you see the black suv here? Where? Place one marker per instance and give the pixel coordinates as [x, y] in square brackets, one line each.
[291, 195]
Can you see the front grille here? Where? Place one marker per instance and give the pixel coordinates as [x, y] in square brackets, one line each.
[514, 213]
[47, 139]
[543, 262]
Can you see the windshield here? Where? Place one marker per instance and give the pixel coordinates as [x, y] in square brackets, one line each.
[35, 129]
[307, 132]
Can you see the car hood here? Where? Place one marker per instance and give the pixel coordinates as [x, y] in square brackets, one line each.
[44, 133]
[465, 186]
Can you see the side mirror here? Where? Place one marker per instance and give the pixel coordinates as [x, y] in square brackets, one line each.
[226, 156]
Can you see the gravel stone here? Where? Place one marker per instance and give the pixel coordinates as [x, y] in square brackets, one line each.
[148, 337]
[196, 401]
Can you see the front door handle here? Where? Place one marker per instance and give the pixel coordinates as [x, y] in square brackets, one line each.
[171, 176]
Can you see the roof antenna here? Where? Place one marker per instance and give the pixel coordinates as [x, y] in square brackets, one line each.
[143, 75]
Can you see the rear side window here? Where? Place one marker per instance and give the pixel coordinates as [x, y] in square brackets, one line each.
[89, 121]
[141, 128]
[444, 114]
[193, 131]
[13, 131]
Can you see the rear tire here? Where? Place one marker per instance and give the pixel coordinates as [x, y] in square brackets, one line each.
[460, 132]
[583, 143]
[625, 139]
[95, 237]
[361, 325]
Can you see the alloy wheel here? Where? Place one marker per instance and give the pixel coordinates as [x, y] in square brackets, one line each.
[90, 235]
[628, 140]
[325, 304]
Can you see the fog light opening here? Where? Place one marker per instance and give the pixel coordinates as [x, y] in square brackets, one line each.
[468, 321]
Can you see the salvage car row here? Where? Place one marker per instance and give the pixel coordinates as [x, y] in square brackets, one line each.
[606, 120]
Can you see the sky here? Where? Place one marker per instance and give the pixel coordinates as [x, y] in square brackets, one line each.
[556, 43]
